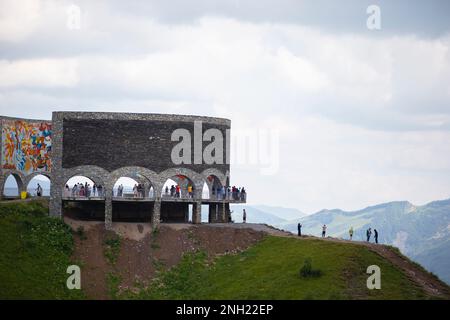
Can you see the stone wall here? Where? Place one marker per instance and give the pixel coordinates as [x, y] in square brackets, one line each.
[116, 143]
[107, 146]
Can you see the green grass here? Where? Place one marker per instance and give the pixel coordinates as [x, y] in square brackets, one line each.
[113, 282]
[112, 247]
[35, 252]
[271, 270]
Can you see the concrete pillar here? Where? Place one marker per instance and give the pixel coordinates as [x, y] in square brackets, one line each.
[224, 212]
[227, 217]
[156, 217]
[212, 218]
[197, 212]
[58, 179]
[2, 185]
[221, 212]
[55, 205]
[147, 187]
[108, 209]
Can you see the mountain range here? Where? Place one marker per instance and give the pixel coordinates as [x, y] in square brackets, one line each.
[421, 232]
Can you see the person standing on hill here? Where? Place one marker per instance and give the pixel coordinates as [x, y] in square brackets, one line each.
[244, 216]
[368, 234]
[299, 227]
[350, 232]
[375, 235]
[324, 230]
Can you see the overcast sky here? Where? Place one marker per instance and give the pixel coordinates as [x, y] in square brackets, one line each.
[363, 116]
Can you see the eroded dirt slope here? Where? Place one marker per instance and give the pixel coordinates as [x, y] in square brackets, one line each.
[142, 252]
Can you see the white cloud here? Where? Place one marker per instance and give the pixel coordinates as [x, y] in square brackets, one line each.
[39, 73]
[362, 119]
[18, 19]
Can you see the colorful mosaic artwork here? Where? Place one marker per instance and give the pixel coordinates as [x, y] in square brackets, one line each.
[26, 146]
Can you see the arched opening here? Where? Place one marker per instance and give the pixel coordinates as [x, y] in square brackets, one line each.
[126, 187]
[215, 189]
[178, 187]
[77, 190]
[12, 186]
[39, 186]
[205, 191]
[82, 187]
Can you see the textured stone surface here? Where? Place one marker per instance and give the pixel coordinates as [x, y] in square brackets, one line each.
[113, 144]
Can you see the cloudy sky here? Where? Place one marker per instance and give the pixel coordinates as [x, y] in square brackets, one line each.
[362, 116]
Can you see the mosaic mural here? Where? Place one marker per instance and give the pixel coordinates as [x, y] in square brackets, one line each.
[26, 146]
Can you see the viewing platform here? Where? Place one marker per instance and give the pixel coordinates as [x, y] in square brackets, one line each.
[153, 199]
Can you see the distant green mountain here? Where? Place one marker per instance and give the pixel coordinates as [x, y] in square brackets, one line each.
[265, 214]
[254, 215]
[281, 212]
[420, 232]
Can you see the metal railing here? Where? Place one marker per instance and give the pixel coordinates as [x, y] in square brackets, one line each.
[235, 197]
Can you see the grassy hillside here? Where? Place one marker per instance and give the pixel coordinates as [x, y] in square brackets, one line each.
[270, 270]
[34, 253]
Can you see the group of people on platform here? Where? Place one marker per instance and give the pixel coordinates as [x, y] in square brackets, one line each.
[218, 193]
[229, 193]
[175, 191]
[350, 232]
[138, 191]
[83, 190]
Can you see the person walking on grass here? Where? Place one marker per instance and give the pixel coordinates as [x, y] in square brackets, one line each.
[375, 235]
[324, 230]
[244, 216]
[350, 232]
[299, 227]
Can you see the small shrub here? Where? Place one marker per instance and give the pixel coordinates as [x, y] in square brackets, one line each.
[155, 246]
[113, 282]
[307, 270]
[81, 233]
[112, 248]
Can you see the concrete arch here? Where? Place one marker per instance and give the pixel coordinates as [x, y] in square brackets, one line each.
[196, 178]
[214, 172]
[171, 172]
[137, 173]
[18, 176]
[95, 173]
[30, 177]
